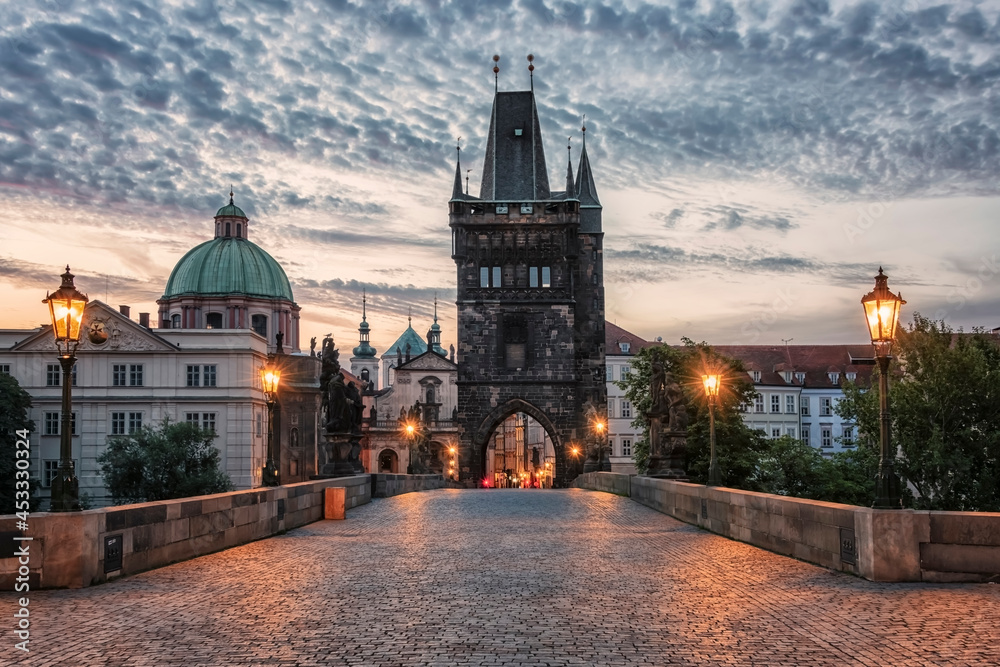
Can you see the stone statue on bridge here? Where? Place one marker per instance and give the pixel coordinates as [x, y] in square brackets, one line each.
[668, 422]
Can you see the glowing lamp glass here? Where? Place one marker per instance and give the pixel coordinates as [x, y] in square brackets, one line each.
[269, 380]
[66, 307]
[882, 309]
[711, 383]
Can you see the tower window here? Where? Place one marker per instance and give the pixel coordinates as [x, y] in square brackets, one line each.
[515, 339]
[484, 276]
[229, 229]
[546, 276]
[239, 230]
[497, 278]
[533, 276]
[175, 321]
[213, 321]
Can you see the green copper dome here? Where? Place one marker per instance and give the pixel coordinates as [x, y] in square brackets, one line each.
[228, 265]
[231, 209]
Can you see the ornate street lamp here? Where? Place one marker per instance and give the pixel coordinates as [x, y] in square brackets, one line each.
[410, 429]
[712, 384]
[66, 306]
[882, 314]
[270, 376]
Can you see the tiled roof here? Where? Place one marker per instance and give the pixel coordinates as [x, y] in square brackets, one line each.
[614, 335]
[816, 361]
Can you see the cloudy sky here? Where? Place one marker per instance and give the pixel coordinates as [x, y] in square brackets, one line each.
[757, 161]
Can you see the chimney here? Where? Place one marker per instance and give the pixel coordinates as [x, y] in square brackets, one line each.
[144, 320]
[125, 310]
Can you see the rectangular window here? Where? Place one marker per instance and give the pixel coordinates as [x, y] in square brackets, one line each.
[134, 421]
[118, 375]
[4, 369]
[205, 420]
[533, 276]
[208, 375]
[497, 279]
[848, 436]
[193, 376]
[72, 375]
[72, 423]
[484, 276]
[626, 410]
[826, 407]
[775, 403]
[626, 446]
[117, 423]
[609, 373]
[546, 276]
[758, 403]
[826, 436]
[804, 406]
[775, 432]
[515, 340]
[49, 470]
[805, 433]
[625, 372]
[52, 372]
[51, 423]
[790, 404]
[135, 375]
[260, 424]
[790, 431]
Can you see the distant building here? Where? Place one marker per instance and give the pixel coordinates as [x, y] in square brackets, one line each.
[619, 348]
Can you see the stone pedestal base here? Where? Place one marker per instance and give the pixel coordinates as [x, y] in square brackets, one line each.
[338, 451]
[666, 461]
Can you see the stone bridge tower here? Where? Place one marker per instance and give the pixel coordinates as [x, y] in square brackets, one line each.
[530, 294]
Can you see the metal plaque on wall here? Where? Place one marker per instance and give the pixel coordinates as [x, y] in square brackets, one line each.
[848, 547]
[112, 553]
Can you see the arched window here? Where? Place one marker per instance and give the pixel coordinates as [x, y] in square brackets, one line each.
[228, 229]
[213, 320]
[430, 394]
[175, 321]
[239, 230]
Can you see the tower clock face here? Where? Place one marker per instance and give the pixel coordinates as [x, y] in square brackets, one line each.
[98, 332]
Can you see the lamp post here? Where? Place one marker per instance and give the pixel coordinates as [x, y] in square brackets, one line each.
[882, 314]
[269, 379]
[712, 383]
[453, 462]
[66, 306]
[410, 431]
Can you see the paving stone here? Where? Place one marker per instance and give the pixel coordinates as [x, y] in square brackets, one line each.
[506, 577]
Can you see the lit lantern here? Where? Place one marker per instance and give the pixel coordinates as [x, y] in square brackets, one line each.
[712, 383]
[882, 314]
[269, 379]
[66, 306]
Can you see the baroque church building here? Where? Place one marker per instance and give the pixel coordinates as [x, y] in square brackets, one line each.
[226, 306]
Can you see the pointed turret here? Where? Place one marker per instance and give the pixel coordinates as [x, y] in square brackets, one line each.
[364, 350]
[434, 333]
[514, 168]
[456, 192]
[590, 205]
[570, 186]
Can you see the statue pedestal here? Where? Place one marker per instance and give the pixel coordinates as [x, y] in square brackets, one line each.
[666, 457]
[338, 455]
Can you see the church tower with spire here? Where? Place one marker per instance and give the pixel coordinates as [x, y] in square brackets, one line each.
[364, 363]
[530, 294]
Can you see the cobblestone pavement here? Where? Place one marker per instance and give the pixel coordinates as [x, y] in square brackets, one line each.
[511, 577]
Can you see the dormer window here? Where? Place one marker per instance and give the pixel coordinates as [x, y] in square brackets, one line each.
[624, 347]
[800, 378]
[787, 376]
[755, 376]
[834, 378]
[851, 377]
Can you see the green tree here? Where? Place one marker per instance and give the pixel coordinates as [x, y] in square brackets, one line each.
[177, 460]
[738, 447]
[945, 409]
[14, 405]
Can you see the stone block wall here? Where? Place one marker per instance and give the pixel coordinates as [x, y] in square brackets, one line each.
[880, 545]
[385, 485]
[68, 550]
